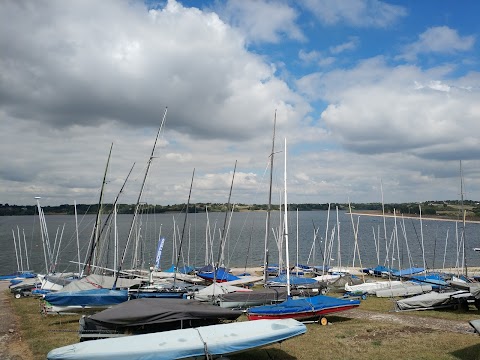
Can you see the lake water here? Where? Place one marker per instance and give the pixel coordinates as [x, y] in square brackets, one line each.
[245, 241]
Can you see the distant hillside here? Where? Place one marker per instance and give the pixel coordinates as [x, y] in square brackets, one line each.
[443, 209]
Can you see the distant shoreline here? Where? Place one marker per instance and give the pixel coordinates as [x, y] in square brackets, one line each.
[411, 217]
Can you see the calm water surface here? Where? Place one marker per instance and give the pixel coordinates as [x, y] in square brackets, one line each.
[245, 242]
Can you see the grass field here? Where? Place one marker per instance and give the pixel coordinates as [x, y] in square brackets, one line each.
[344, 338]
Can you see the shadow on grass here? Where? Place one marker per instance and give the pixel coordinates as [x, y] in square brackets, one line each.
[263, 354]
[468, 353]
[337, 319]
[64, 321]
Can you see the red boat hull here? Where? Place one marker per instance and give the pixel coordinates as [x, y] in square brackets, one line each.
[301, 315]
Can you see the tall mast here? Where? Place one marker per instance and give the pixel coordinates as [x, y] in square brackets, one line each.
[96, 232]
[463, 217]
[183, 232]
[135, 213]
[269, 208]
[286, 221]
[224, 232]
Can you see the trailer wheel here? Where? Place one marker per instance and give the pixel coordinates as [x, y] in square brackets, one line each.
[18, 296]
[323, 321]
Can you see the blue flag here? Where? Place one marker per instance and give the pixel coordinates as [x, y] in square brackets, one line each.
[159, 252]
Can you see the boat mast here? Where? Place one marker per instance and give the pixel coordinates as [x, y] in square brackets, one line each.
[96, 233]
[26, 252]
[269, 208]
[135, 213]
[286, 221]
[463, 217]
[224, 233]
[183, 232]
[326, 237]
[43, 232]
[421, 237]
[16, 251]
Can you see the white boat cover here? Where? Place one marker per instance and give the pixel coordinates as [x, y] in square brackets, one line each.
[327, 278]
[216, 289]
[371, 287]
[205, 341]
[248, 279]
[404, 289]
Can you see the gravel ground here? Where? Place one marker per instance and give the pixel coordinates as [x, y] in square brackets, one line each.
[12, 347]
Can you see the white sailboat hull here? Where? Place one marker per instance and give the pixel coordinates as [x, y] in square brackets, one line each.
[186, 343]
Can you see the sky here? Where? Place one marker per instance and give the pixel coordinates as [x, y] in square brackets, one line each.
[373, 99]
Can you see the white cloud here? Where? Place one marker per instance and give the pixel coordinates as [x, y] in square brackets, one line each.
[375, 108]
[262, 21]
[440, 39]
[360, 13]
[350, 45]
[83, 74]
[315, 57]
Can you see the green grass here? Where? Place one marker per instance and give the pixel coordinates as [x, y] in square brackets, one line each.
[44, 333]
[345, 338]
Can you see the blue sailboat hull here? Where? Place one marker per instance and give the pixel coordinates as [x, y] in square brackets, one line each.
[302, 308]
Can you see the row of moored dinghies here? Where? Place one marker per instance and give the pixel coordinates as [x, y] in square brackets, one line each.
[190, 312]
[186, 313]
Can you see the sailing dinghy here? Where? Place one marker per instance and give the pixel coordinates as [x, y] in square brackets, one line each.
[302, 308]
[299, 308]
[205, 341]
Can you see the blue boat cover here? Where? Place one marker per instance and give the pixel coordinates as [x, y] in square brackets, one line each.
[294, 280]
[436, 280]
[222, 275]
[302, 305]
[182, 269]
[322, 268]
[18, 275]
[409, 271]
[95, 297]
[379, 270]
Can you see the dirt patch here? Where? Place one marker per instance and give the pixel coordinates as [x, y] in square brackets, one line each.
[412, 323]
[12, 346]
[372, 334]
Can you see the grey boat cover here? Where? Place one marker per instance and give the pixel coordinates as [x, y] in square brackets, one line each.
[173, 313]
[263, 296]
[473, 288]
[405, 289]
[96, 281]
[430, 300]
[339, 284]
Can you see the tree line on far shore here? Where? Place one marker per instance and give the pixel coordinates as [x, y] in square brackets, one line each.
[448, 208]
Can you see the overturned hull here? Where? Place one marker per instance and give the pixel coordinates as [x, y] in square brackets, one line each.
[206, 341]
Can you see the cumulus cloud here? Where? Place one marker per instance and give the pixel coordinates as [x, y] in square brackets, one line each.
[262, 21]
[376, 108]
[440, 39]
[83, 74]
[350, 45]
[359, 13]
[68, 69]
[316, 58]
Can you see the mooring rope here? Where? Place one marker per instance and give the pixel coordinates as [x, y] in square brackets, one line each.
[205, 346]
